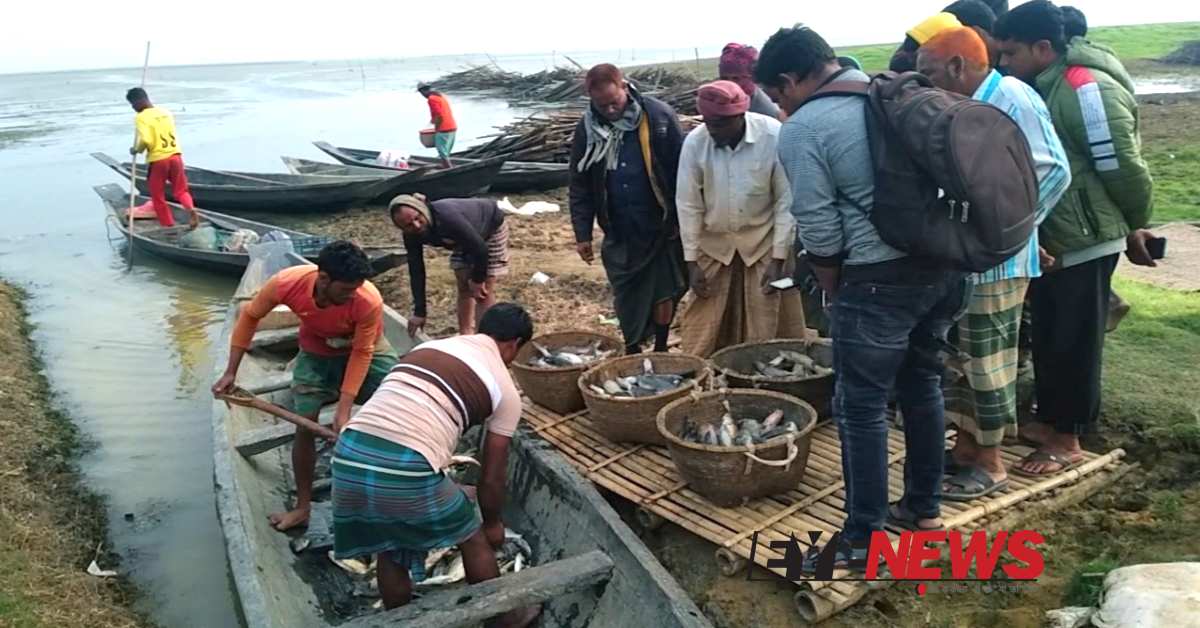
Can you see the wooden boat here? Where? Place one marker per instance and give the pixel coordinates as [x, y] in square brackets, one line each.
[291, 193]
[163, 242]
[589, 569]
[516, 176]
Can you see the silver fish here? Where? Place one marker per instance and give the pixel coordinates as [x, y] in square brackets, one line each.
[728, 431]
[613, 388]
[598, 390]
[772, 420]
[355, 566]
[750, 429]
[647, 366]
[708, 435]
[447, 572]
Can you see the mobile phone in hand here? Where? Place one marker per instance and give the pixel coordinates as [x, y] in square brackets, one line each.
[1156, 247]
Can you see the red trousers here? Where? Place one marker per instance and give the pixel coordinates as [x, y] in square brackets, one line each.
[162, 171]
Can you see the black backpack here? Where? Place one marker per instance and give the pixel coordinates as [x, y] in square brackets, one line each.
[954, 178]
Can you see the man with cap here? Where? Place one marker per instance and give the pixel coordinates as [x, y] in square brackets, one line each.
[974, 14]
[737, 66]
[442, 119]
[734, 204]
[474, 230]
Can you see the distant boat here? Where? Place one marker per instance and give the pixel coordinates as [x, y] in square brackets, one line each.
[516, 176]
[163, 242]
[297, 194]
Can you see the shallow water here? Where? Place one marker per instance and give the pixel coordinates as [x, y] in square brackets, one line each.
[129, 353]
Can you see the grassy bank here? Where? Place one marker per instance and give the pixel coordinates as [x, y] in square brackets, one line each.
[50, 525]
[1135, 44]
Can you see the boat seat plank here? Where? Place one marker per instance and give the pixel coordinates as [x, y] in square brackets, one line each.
[472, 605]
[272, 337]
[253, 442]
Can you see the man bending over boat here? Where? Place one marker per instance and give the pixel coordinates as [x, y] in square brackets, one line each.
[473, 229]
[156, 136]
[390, 495]
[343, 352]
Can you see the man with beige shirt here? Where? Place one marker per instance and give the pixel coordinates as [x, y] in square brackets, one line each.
[734, 205]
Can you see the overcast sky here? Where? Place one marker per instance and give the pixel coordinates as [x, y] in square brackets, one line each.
[44, 35]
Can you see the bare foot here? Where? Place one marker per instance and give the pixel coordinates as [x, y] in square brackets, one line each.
[287, 520]
[519, 618]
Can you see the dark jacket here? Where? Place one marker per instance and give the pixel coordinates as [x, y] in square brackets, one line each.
[457, 224]
[589, 191]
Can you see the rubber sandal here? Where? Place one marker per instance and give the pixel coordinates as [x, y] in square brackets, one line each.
[1064, 464]
[971, 483]
[903, 518]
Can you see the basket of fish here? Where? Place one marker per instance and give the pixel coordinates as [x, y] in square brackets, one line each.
[548, 368]
[624, 395]
[735, 445]
[800, 368]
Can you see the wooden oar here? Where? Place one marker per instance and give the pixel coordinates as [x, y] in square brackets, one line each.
[243, 397]
[133, 168]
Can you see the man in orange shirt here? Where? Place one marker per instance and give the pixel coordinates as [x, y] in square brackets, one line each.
[343, 352]
[156, 136]
[442, 119]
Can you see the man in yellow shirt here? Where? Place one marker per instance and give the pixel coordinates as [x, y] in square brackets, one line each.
[156, 136]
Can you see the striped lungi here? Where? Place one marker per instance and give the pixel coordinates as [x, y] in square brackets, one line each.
[387, 498]
[497, 248]
[984, 402]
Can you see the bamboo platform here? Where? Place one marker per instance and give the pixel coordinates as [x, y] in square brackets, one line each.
[645, 476]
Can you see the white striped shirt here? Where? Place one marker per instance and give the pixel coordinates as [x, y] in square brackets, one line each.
[1026, 107]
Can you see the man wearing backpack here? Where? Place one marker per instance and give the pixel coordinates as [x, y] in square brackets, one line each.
[956, 60]
[1090, 98]
[891, 311]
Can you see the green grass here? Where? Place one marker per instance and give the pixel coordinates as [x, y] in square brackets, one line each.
[1176, 182]
[1145, 41]
[1151, 383]
[1135, 42]
[1087, 582]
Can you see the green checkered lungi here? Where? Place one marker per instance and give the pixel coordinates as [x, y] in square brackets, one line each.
[984, 402]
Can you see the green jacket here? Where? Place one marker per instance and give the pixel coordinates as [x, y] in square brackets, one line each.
[1090, 98]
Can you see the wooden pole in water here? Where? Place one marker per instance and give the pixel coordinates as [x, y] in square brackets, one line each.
[133, 167]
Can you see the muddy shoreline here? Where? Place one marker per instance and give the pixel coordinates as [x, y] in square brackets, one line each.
[51, 524]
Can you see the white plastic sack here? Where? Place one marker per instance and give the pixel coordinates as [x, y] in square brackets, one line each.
[1164, 594]
[266, 259]
[393, 159]
[528, 209]
[239, 240]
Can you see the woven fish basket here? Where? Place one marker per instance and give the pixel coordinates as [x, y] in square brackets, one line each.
[736, 365]
[557, 388]
[626, 419]
[729, 476]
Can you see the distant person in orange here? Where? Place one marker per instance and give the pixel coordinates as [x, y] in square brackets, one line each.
[442, 119]
[156, 136]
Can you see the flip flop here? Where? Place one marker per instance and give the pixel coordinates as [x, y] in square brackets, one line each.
[972, 483]
[903, 518]
[1064, 464]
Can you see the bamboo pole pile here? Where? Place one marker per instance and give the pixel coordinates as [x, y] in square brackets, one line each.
[545, 136]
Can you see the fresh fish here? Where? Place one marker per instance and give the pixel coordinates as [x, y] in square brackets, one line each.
[598, 390]
[688, 431]
[708, 435]
[647, 366]
[786, 428]
[744, 439]
[750, 429]
[447, 572]
[354, 566]
[568, 356]
[772, 420]
[436, 556]
[728, 431]
[611, 387]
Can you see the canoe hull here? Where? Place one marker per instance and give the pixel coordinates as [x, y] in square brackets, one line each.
[516, 176]
[559, 512]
